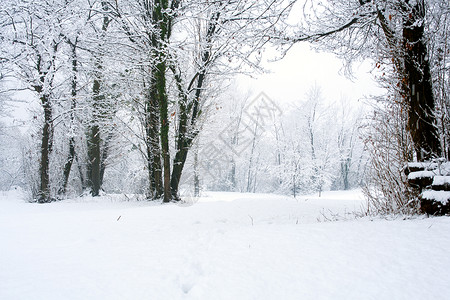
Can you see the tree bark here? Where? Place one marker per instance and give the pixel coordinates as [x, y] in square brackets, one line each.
[164, 123]
[46, 149]
[104, 156]
[68, 165]
[196, 175]
[71, 155]
[344, 173]
[419, 93]
[183, 142]
[153, 143]
[94, 160]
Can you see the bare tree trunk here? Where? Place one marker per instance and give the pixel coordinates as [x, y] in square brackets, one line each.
[164, 123]
[94, 160]
[344, 173]
[94, 139]
[183, 141]
[47, 130]
[46, 149]
[71, 155]
[104, 156]
[196, 175]
[68, 165]
[250, 164]
[419, 94]
[153, 143]
[81, 173]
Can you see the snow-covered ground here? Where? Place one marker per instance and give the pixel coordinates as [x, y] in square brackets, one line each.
[226, 246]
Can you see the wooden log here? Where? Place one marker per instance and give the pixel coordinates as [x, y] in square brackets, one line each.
[419, 166]
[436, 203]
[421, 179]
[441, 183]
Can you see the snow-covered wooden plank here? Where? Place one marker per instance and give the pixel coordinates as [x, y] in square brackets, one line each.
[441, 183]
[421, 178]
[422, 165]
[435, 202]
[421, 174]
[442, 197]
[419, 166]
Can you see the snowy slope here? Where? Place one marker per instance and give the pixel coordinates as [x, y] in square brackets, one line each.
[227, 246]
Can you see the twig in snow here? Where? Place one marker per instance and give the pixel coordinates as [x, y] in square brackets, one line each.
[251, 219]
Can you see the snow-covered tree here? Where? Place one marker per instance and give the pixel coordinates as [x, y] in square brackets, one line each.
[35, 32]
[393, 34]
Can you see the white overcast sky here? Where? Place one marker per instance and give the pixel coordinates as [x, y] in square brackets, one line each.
[291, 77]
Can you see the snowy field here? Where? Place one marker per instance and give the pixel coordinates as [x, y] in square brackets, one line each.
[226, 246]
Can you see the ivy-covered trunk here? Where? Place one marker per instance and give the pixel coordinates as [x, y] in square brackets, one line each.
[154, 168]
[159, 101]
[153, 143]
[161, 14]
[160, 76]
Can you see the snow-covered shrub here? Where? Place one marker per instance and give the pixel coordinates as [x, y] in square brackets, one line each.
[390, 148]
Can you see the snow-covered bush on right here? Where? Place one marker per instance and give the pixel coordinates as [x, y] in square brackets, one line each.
[389, 147]
[395, 184]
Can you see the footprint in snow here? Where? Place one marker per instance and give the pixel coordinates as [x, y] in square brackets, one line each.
[190, 277]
